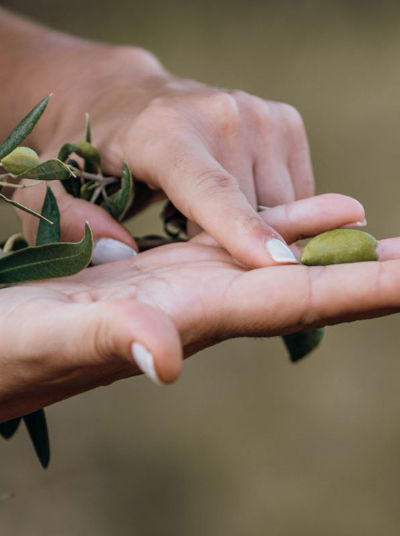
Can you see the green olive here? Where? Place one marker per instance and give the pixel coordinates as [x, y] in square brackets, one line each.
[87, 150]
[340, 246]
[20, 160]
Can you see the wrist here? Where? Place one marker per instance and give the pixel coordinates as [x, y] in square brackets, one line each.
[78, 72]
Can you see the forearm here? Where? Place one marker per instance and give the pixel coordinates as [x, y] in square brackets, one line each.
[35, 61]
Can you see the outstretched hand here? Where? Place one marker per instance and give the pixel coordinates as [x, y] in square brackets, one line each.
[65, 336]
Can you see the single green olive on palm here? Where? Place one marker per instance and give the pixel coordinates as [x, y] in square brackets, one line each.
[332, 247]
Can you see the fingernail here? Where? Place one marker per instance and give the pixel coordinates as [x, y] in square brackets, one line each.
[110, 250]
[361, 223]
[261, 208]
[145, 361]
[280, 252]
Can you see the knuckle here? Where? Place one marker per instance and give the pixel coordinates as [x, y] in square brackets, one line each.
[161, 112]
[292, 117]
[225, 110]
[261, 113]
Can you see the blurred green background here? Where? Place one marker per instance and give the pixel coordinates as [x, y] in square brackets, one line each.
[244, 442]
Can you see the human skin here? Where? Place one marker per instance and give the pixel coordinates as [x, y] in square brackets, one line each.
[69, 335]
[215, 153]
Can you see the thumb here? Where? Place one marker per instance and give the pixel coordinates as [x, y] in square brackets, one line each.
[95, 343]
[112, 241]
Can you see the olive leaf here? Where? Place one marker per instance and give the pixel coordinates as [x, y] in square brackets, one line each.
[48, 234]
[73, 184]
[303, 342]
[8, 428]
[24, 208]
[47, 262]
[118, 204]
[24, 128]
[89, 166]
[37, 428]
[88, 129]
[51, 170]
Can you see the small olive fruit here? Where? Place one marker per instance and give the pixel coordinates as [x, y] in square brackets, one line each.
[340, 246]
[20, 160]
[87, 150]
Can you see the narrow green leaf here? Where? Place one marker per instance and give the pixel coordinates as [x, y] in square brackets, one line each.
[8, 428]
[24, 128]
[24, 208]
[48, 261]
[118, 204]
[303, 342]
[88, 129]
[37, 429]
[48, 234]
[89, 166]
[52, 170]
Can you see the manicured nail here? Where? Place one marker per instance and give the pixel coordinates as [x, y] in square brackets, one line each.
[361, 223]
[110, 250]
[260, 208]
[280, 252]
[145, 361]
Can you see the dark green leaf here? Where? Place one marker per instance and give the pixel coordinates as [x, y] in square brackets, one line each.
[37, 428]
[89, 166]
[48, 234]
[24, 128]
[24, 208]
[73, 184]
[118, 204]
[46, 262]
[52, 170]
[8, 428]
[302, 343]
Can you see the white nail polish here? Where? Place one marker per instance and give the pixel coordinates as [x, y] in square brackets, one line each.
[361, 223]
[110, 250]
[145, 361]
[280, 252]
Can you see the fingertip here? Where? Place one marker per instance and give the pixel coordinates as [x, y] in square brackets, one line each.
[153, 342]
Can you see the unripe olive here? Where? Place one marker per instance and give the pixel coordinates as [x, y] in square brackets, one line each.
[19, 160]
[87, 150]
[340, 246]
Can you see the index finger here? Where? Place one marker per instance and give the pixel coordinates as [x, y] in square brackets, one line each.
[208, 194]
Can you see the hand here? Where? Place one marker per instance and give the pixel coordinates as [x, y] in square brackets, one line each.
[65, 336]
[215, 153]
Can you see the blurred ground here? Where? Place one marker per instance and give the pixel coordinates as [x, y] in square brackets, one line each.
[244, 443]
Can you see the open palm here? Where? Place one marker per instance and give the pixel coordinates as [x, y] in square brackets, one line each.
[68, 335]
